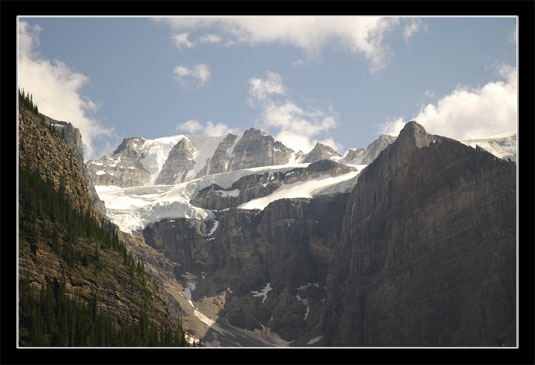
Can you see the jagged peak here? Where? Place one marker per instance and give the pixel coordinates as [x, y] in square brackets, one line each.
[415, 134]
[323, 147]
[128, 143]
[255, 131]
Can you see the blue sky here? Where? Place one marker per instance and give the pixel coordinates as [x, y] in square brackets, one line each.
[337, 80]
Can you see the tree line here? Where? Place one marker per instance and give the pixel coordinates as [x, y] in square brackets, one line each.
[26, 102]
[51, 317]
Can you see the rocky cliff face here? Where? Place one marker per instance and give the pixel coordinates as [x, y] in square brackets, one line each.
[119, 294]
[122, 169]
[352, 155]
[220, 161]
[420, 253]
[178, 164]
[257, 148]
[253, 270]
[74, 141]
[375, 148]
[259, 185]
[320, 152]
[40, 150]
[427, 253]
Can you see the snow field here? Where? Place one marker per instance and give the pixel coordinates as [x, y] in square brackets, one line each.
[300, 189]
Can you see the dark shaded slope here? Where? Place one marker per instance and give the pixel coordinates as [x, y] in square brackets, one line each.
[427, 256]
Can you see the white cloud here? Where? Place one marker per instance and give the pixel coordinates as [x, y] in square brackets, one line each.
[211, 129]
[468, 113]
[296, 127]
[260, 89]
[195, 76]
[412, 27]
[359, 35]
[56, 89]
[210, 38]
[191, 126]
[181, 40]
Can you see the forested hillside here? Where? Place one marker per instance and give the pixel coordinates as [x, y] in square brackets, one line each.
[78, 284]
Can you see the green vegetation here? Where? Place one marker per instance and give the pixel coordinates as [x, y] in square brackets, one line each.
[53, 316]
[26, 102]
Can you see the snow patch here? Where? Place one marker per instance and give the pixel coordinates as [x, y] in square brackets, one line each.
[314, 340]
[300, 189]
[213, 229]
[267, 336]
[134, 208]
[204, 319]
[233, 193]
[305, 302]
[100, 172]
[191, 284]
[262, 293]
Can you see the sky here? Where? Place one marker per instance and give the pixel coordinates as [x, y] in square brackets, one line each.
[340, 80]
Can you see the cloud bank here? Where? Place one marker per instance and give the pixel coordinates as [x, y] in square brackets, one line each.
[56, 88]
[468, 113]
[296, 127]
[359, 35]
[194, 127]
[196, 76]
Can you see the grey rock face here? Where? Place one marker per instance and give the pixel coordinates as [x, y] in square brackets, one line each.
[288, 245]
[258, 185]
[320, 152]
[430, 224]
[74, 141]
[352, 156]
[374, 148]
[123, 168]
[178, 164]
[220, 161]
[257, 148]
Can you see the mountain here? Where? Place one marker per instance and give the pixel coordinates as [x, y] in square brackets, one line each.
[320, 152]
[427, 250]
[430, 223]
[256, 245]
[502, 146]
[74, 140]
[257, 148]
[79, 285]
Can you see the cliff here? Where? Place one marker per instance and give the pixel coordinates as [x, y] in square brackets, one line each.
[61, 238]
[427, 255]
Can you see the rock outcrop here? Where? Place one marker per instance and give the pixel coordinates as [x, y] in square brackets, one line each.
[74, 140]
[267, 268]
[123, 169]
[220, 161]
[178, 164]
[40, 150]
[259, 185]
[320, 152]
[257, 148]
[352, 155]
